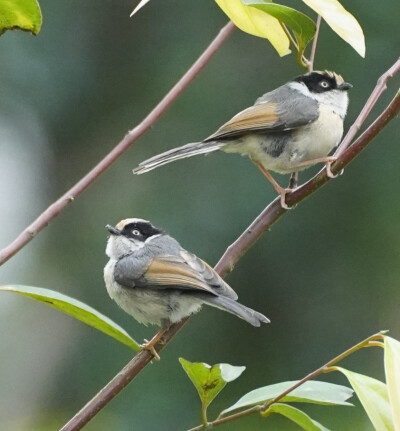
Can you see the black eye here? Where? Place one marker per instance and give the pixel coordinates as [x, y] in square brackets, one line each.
[324, 84]
[136, 232]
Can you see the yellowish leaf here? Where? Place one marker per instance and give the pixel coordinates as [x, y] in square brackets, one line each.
[392, 371]
[20, 14]
[257, 23]
[374, 397]
[341, 21]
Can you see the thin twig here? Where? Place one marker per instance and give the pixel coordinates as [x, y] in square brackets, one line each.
[290, 37]
[273, 212]
[310, 376]
[361, 142]
[54, 209]
[310, 64]
[376, 93]
[265, 220]
[320, 370]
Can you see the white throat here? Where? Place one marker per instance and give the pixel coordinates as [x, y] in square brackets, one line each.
[337, 100]
[118, 246]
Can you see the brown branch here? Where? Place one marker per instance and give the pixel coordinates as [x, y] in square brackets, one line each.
[274, 211]
[264, 221]
[376, 93]
[325, 368]
[115, 386]
[54, 209]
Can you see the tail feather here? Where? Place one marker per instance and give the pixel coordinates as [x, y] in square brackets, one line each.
[187, 150]
[231, 306]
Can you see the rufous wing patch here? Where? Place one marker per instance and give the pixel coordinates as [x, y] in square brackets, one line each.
[171, 271]
[255, 118]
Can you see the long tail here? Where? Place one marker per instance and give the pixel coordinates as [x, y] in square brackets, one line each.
[187, 150]
[227, 304]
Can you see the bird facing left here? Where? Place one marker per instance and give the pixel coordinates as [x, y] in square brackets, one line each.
[152, 278]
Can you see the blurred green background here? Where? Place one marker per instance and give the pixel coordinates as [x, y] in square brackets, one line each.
[327, 275]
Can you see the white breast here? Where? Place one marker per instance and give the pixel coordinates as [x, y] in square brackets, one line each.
[317, 139]
[309, 142]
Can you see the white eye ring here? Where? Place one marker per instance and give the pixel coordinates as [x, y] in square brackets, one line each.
[136, 232]
[324, 84]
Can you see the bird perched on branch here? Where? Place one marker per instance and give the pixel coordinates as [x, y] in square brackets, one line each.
[287, 130]
[152, 278]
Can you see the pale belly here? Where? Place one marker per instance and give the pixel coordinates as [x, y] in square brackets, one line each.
[151, 306]
[282, 151]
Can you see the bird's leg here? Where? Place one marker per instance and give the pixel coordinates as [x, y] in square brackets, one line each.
[327, 160]
[281, 190]
[294, 180]
[149, 345]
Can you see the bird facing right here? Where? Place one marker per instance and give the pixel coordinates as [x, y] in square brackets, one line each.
[287, 130]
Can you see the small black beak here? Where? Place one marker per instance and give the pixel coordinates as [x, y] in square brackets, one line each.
[345, 86]
[113, 230]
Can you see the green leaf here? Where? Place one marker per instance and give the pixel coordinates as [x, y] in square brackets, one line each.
[302, 26]
[257, 23]
[341, 22]
[392, 371]
[20, 14]
[309, 392]
[76, 309]
[374, 397]
[210, 380]
[295, 415]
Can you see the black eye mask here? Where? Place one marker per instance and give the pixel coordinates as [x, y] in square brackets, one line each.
[146, 230]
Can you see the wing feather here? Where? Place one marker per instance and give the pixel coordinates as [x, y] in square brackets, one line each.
[185, 271]
[282, 109]
[256, 118]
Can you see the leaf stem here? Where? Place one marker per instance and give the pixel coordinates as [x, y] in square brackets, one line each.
[290, 37]
[314, 45]
[324, 368]
[376, 344]
[204, 414]
[301, 59]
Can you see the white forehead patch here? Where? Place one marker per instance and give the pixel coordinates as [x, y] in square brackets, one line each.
[127, 221]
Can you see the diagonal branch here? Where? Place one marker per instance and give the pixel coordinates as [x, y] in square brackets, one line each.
[115, 386]
[263, 222]
[54, 209]
[314, 45]
[376, 93]
[273, 212]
